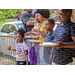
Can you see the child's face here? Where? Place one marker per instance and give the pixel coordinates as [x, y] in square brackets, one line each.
[19, 38]
[48, 26]
[63, 16]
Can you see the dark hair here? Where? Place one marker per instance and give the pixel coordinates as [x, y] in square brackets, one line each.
[21, 31]
[44, 12]
[67, 11]
[50, 20]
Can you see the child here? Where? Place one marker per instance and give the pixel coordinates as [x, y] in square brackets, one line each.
[21, 47]
[49, 25]
[65, 32]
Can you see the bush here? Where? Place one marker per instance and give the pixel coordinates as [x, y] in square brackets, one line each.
[9, 13]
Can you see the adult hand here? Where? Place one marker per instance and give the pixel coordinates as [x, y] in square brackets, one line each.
[30, 34]
[34, 30]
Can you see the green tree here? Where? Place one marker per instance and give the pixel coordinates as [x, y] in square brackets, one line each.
[5, 13]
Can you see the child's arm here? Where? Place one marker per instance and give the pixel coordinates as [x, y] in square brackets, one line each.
[11, 49]
[51, 56]
[26, 52]
[65, 45]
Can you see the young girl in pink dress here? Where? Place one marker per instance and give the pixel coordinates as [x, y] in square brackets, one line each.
[21, 47]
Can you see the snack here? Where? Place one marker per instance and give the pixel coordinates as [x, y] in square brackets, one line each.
[8, 47]
[21, 55]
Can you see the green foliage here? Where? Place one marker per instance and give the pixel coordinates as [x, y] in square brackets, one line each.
[53, 15]
[8, 13]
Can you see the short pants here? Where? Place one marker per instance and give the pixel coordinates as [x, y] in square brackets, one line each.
[22, 63]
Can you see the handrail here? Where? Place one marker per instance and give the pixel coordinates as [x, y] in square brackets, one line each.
[13, 36]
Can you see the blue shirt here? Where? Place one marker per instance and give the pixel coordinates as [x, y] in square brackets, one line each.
[63, 33]
[47, 50]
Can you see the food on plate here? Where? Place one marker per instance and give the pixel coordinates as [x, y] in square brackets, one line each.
[48, 44]
[21, 55]
[35, 41]
[8, 47]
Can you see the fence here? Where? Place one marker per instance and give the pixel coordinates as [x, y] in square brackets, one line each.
[5, 55]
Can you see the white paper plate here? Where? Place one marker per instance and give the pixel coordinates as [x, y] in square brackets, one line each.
[31, 36]
[50, 44]
[33, 32]
[35, 41]
[16, 55]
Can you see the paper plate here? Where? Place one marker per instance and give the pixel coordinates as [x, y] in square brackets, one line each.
[50, 44]
[35, 41]
[16, 55]
[31, 36]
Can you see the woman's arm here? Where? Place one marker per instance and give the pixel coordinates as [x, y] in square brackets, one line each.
[30, 23]
[31, 33]
[40, 32]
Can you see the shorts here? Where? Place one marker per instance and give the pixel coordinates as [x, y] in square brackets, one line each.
[22, 63]
[59, 64]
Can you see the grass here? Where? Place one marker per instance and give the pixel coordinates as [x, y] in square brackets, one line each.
[7, 20]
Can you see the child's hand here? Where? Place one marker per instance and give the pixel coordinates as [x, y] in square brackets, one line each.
[26, 52]
[51, 59]
[60, 45]
[51, 56]
[9, 49]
